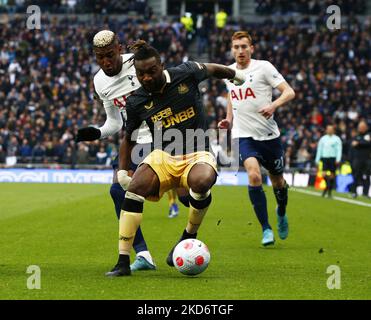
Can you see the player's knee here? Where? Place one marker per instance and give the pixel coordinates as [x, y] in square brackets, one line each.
[202, 185]
[255, 178]
[202, 181]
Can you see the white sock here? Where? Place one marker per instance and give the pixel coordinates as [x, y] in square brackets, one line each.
[147, 256]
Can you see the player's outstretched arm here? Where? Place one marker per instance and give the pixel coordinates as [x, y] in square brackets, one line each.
[112, 125]
[222, 72]
[126, 147]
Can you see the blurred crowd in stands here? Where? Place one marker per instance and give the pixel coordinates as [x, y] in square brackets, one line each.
[46, 88]
[140, 7]
[46, 85]
[289, 7]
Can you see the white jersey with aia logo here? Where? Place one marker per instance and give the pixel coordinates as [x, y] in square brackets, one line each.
[249, 98]
[114, 91]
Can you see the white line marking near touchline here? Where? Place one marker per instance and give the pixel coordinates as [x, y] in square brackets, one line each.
[313, 193]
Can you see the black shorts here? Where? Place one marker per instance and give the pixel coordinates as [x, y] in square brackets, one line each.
[269, 153]
[329, 164]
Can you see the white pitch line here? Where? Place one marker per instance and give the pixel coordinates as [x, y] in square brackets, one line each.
[336, 198]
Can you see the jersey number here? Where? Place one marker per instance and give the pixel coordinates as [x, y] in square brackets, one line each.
[278, 164]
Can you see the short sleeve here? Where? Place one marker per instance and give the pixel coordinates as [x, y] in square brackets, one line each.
[197, 70]
[273, 77]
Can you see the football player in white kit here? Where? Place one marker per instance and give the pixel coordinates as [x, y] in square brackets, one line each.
[250, 110]
[113, 83]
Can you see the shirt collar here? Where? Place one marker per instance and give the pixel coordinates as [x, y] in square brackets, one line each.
[167, 76]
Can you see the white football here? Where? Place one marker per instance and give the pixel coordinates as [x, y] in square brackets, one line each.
[191, 257]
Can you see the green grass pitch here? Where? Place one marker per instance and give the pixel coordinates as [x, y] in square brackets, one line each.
[70, 232]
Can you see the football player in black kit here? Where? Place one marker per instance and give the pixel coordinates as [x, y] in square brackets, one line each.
[171, 104]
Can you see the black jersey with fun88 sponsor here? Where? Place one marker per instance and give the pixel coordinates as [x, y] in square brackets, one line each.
[176, 116]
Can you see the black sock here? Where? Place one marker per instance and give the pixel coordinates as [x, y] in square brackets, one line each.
[331, 185]
[281, 198]
[187, 235]
[124, 260]
[366, 186]
[259, 201]
[327, 179]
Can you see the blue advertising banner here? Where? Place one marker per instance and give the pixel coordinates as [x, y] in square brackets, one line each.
[105, 177]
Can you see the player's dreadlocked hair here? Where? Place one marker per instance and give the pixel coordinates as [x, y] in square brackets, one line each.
[142, 51]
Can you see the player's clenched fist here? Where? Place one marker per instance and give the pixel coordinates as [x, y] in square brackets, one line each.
[88, 134]
[124, 179]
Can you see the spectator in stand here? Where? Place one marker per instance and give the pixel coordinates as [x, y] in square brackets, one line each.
[12, 151]
[188, 24]
[302, 157]
[2, 153]
[101, 156]
[202, 31]
[69, 156]
[25, 151]
[221, 18]
[38, 153]
[82, 155]
[360, 157]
